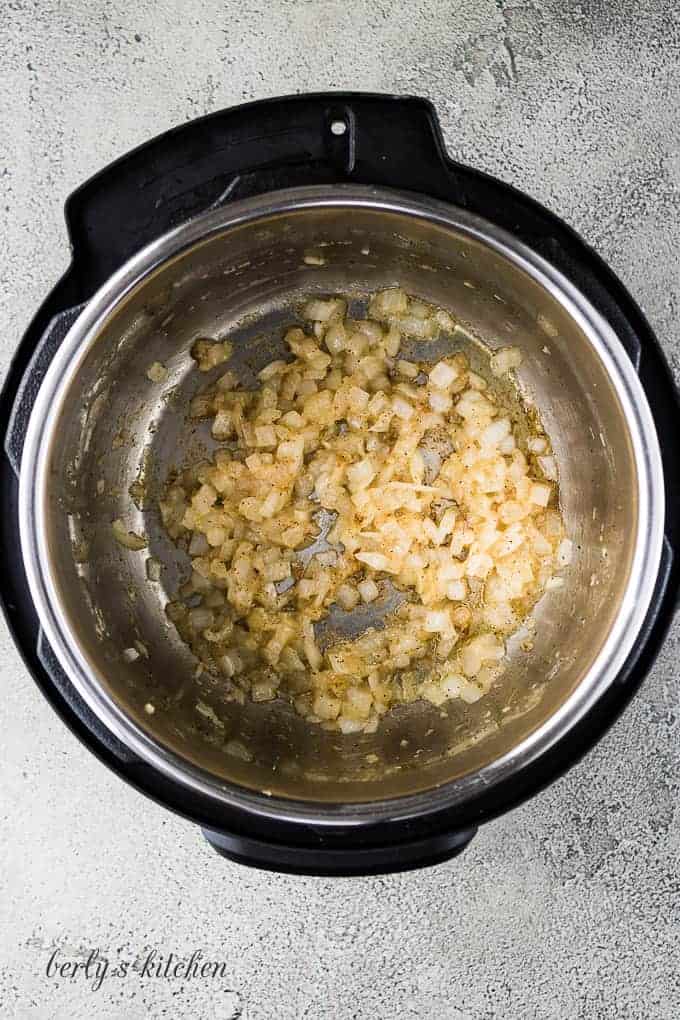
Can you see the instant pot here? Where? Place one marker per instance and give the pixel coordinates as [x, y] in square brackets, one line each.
[220, 226]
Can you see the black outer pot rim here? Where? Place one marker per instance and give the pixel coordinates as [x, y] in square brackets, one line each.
[576, 258]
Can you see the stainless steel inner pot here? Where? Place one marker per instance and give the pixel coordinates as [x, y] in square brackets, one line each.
[102, 439]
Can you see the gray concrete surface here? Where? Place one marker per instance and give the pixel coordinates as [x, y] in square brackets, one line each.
[567, 908]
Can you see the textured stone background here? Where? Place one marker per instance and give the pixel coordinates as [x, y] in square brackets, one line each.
[570, 906]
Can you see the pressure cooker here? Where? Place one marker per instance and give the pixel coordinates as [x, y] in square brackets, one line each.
[217, 228]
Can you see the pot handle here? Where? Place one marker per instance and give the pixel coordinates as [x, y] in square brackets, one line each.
[31, 381]
[322, 138]
[382, 140]
[338, 860]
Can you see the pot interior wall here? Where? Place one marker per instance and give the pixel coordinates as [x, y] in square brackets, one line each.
[118, 428]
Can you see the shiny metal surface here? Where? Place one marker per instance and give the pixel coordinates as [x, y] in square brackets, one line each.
[100, 427]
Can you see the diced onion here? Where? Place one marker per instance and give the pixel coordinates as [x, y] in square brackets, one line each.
[157, 372]
[505, 360]
[565, 551]
[368, 590]
[128, 539]
[548, 466]
[428, 481]
[539, 494]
